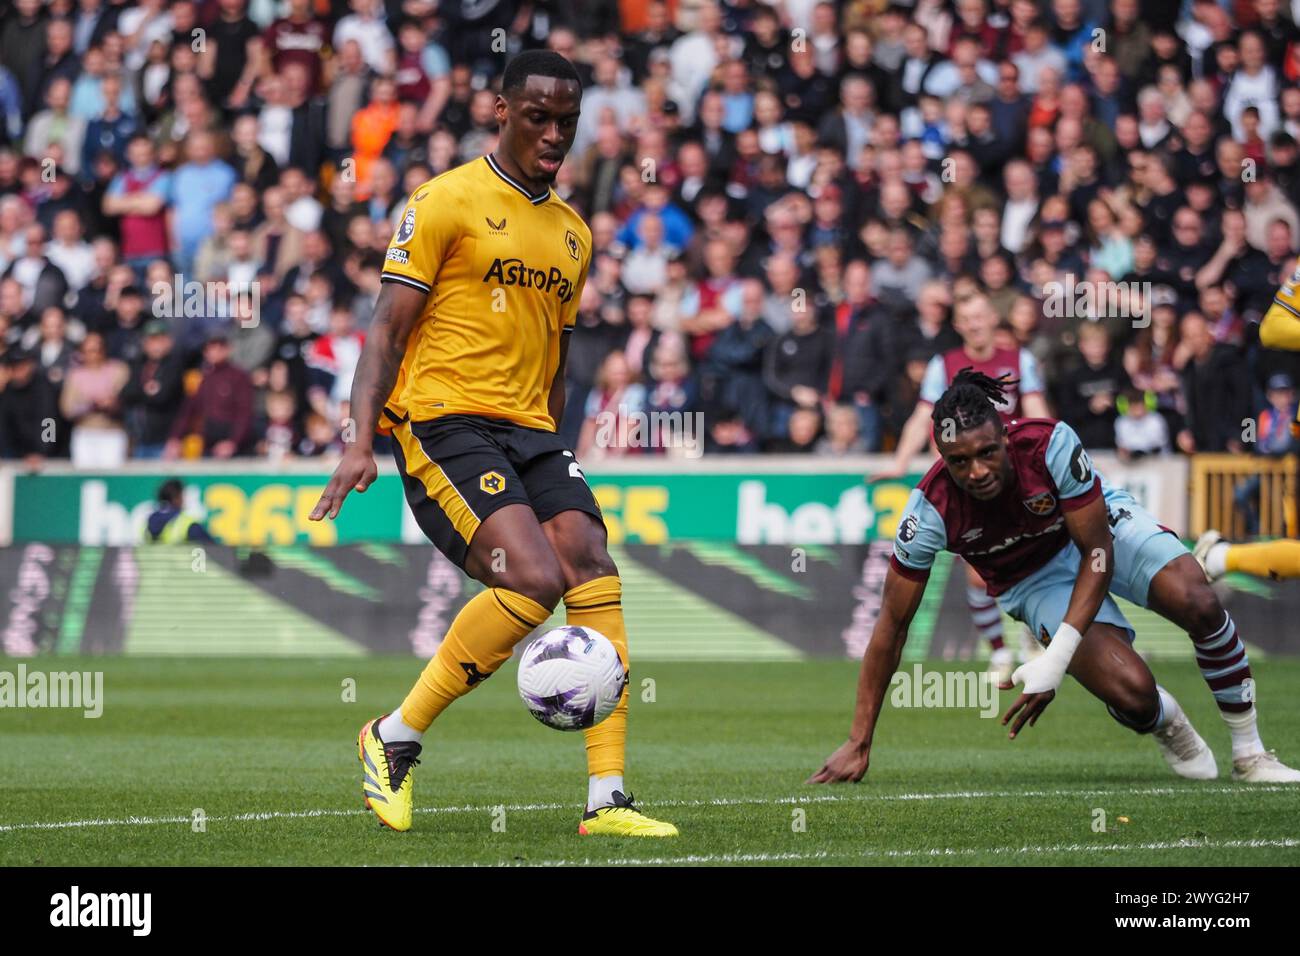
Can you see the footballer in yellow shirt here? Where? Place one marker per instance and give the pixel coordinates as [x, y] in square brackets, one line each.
[1280, 327]
[1279, 558]
[464, 365]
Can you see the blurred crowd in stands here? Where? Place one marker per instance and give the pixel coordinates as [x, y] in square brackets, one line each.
[787, 198]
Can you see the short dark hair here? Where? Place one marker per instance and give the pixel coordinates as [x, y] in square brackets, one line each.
[171, 492]
[971, 400]
[536, 63]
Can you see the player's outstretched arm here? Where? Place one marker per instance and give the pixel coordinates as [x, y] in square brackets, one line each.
[1089, 529]
[901, 598]
[397, 310]
[911, 441]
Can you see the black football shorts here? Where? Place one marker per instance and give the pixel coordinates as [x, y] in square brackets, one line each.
[458, 469]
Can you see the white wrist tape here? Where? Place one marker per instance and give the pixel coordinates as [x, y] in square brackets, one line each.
[1064, 643]
[1046, 671]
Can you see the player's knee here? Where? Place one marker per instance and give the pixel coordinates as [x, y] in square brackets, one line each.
[541, 581]
[1137, 705]
[1134, 700]
[592, 563]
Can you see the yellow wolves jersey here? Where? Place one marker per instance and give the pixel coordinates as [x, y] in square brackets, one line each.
[503, 271]
[1280, 328]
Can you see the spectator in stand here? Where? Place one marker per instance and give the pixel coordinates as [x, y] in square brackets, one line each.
[28, 409]
[1216, 389]
[1264, 205]
[646, 266]
[800, 434]
[300, 38]
[1272, 439]
[898, 279]
[321, 438]
[220, 412]
[1140, 430]
[51, 342]
[796, 368]
[1087, 392]
[69, 252]
[110, 128]
[252, 162]
[641, 335]
[365, 25]
[731, 375]
[43, 283]
[279, 433]
[676, 388]
[91, 403]
[841, 436]
[198, 186]
[55, 133]
[613, 407]
[153, 391]
[122, 334]
[336, 353]
[372, 127]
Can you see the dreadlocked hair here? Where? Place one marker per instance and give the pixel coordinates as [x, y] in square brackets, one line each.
[971, 399]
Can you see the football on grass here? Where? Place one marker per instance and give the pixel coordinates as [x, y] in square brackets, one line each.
[571, 678]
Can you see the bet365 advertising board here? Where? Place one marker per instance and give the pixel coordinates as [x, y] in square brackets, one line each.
[800, 502]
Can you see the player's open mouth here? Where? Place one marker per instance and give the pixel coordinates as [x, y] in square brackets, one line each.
[550, 163]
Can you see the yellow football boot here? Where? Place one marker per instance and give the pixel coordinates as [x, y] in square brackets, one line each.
[386, 775]
[623, 819]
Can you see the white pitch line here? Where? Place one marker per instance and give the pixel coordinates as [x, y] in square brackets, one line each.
[933, 853]
[264, 815]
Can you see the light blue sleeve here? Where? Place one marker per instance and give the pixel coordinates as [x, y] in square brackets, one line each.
[229, 179]
[921, 533]
[934, 382]
[1031, 377]
[162, 187]
[434, 60]
[733, 298]
[1068, 463]
[689, 306]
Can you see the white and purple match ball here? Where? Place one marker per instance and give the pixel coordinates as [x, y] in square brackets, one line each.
[571, 678]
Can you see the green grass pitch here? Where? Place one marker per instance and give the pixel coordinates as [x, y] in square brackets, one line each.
[267, 750]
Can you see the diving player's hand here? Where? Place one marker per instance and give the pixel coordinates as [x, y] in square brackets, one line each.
[357, 470]
[1030, 706]
[848, 763]
[1045, 672]
[1041, 678]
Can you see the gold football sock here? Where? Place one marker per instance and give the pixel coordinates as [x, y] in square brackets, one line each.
[598, 604]
[479, 641]
[1265, 559]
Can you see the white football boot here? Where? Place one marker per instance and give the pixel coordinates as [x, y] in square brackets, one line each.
[1201, 552]
[1002, 664]
[1029, 648]
[1186, 753]
[1263, 767]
